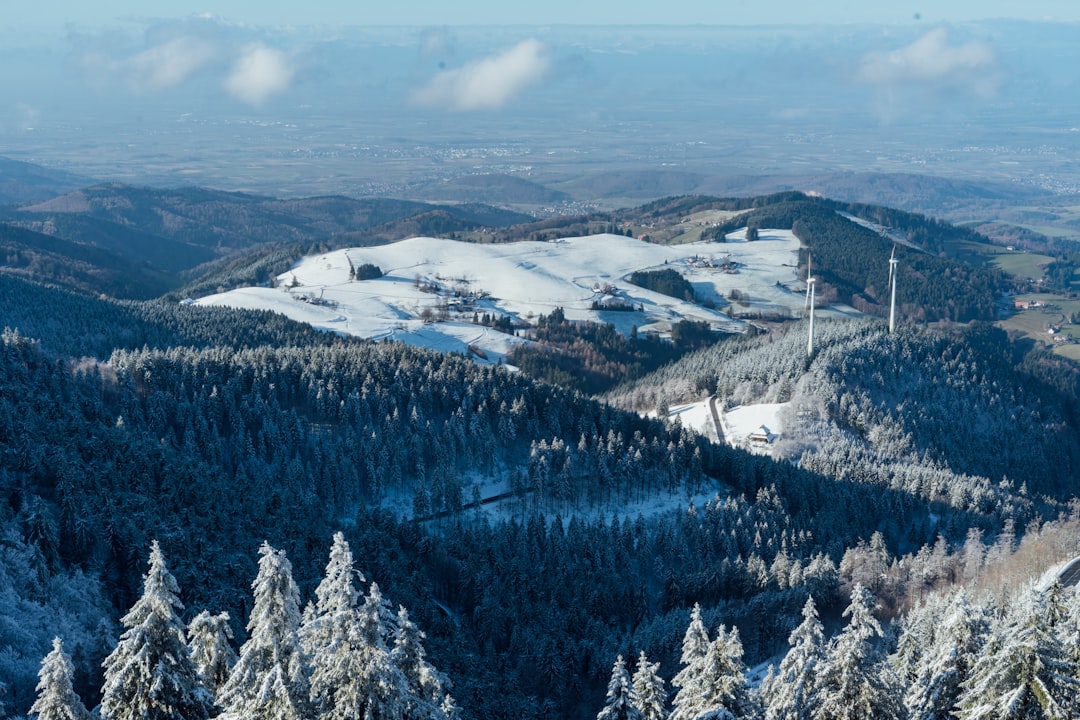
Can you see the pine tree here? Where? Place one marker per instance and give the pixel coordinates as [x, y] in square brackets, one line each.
[56, 698]
[649, 688]
[268, 681]
[918, 634]
[380, 683]
[336, 599]
[945, 666]
[353, 676]
[150, 674]
[791, 693]
[622, 701]
[1069, 632]
[694, 647]
[209, 637]
[854, 683]
[426, 685]
[714, 686]
[1025, 672]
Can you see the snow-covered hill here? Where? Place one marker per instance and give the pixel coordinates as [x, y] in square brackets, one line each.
[432, 289]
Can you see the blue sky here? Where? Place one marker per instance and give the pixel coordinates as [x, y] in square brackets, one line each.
[20, 13]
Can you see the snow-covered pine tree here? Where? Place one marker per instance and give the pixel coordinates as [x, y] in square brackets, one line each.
[150, 674]
[352, 676]
[57, 699]
[426, 685]
[918, 634]
[335, 603]
[1025, 672]
[790, 694]
[379, 684]
[622, 702]
[945, 666]
[694, 646]
[209, 637]
[331, 641]
[269, 681]
[1070, 631]
[649, 688]
[718, 689]
[853, 682]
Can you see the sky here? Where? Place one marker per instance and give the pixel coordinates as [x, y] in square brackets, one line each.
[20, 13]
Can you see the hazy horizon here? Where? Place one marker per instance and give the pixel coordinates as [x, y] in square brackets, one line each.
[362, 110]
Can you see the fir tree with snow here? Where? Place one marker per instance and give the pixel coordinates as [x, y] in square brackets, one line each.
[378, 686]
[336, 601]
[649, 688]
[426, 685]
[918, 634]
[715, 686]
[854, 682]
[209, 637]
[268, 681]
[352, 677]
[694, 647]
[150, 674]
[1025, 673]
[57, 699]
[622, 701]
[945, 666]
[790, 694]
[1069, 632]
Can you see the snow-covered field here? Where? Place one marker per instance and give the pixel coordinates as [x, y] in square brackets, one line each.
[697, 417]
[736, 424]
[740, 421]
[425, 278]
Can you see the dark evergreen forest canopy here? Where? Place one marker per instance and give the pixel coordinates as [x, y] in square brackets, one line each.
[844, 255]
[917, 460]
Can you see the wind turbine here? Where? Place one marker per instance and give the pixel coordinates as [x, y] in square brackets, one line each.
[810, 298]
[892, 289]
[806, 305]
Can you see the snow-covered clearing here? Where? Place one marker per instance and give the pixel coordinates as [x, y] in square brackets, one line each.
[742, 421]
[737, 424]
[696, 416]
[432, 288]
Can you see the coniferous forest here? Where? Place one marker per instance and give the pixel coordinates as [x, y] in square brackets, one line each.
[175, 478]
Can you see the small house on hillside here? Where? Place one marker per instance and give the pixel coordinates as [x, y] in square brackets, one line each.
[761, 437]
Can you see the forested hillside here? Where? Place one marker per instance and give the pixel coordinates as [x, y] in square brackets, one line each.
[954, 414]
[285, 435]
[852, 260]
[534, 533]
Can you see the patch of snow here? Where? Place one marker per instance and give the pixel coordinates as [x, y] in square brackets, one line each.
[428, 279]
[740, 422]
[695, 416]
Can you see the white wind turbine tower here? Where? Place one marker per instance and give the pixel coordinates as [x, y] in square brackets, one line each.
[806, 305]
[892, 289]
[810, 298]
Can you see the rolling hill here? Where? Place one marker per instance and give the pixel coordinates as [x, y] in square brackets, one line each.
[23, 182]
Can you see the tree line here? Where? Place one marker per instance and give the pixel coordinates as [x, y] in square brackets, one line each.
[344, 656]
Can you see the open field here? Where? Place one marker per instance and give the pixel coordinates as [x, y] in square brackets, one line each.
[1019, 263]
[1022, 264]
[1035, 323]
[433, 290]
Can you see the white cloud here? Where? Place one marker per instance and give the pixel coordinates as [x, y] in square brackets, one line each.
[931, 62]
[168, 64]
[490, 83]
[260, 72]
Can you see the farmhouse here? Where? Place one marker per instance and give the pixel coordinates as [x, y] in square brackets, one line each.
[760, 437]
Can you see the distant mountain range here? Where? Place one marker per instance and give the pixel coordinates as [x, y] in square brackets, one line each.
[158, 235]
[23, 182]
[141, 242]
